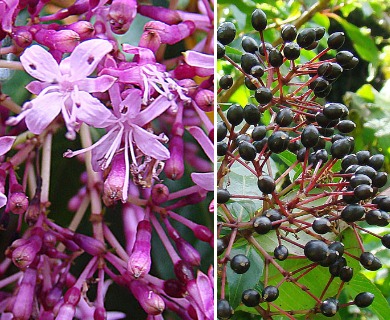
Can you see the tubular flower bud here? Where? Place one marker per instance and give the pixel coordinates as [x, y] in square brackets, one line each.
[23, 305]
[170, 34]
[25, 254]
[188, 252]
[72, 296]
[62, 40]
[160, 193]
[174, 166]
[66, 312]
[174, 288]
[99, 314]
[150, 301]
[140, 261]
[121, 15]
[205, 100]
[22, 37]
[161, 14]
[84, 29]
[115, 182]
[18, 203]
[183, 271]
[203, 233]
[90, 245]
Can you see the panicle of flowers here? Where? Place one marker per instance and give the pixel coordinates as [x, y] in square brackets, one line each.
[144, 131]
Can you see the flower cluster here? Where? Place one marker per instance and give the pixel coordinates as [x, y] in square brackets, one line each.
[146, 149]
[293, 197]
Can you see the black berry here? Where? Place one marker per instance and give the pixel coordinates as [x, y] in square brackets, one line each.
[240, 263]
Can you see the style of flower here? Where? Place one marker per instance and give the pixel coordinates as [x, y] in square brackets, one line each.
[125, 129]
[65, 87]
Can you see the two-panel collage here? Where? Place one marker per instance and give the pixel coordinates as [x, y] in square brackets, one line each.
[194, 159]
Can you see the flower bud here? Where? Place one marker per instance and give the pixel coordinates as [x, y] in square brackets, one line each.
[33, 210]
[99, 314]
[174, 166]
[114, 184]
[140, 261]
[62, 40]
[174, 288]
[22, 37]
[170, 34]
[160, 193]
[205, 100]
[183, 271]
[52, 297]
[72, 296]
[70, 245]
[25, 254]
[121, 14]
[203, 233]
[84, 29]
[188, 252]
[23, 305]
[150, 301]
[160, 14]
[90, 245]
[66, 312]
[18, 202]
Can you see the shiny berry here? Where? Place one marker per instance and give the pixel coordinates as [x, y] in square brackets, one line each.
[273, 215]
[251, 114]
[250, 297]
[363, 192]
[221, 131]
[306, 37]
[281, 253]
[380, 180]
[240, 263]
[222, 148]
[341, 148]
[278, 141]
[333, 110]
[226, 82]
[288, 32]
[275, 58]
[262, 225]
[220, 50]
[343, 57]
[224, 309]
[376, 161]
[291, 51]
[266, 184]
[223, 195]
[316, 250]
[263, 95]
[259, 20]
[346, 126]
[259, 133]
[249, 84]
[220, 246]
[364, 299]
[249, 44]
[336, 40]
[386, 240]
[352, 212]
[310, 136]
[257, 72]
[321, 225]
[249, 60]
[370, 262]
[270, 293]
[329, 307]
[346, 274]
[351, 64]
[284, 117]
[235, 114]
[247, 151]
[226, 33]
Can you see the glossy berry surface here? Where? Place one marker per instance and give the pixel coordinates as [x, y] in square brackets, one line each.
[240, 263]
[250, 298]
[270, 293]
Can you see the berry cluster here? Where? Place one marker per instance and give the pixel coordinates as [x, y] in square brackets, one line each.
[306, 213]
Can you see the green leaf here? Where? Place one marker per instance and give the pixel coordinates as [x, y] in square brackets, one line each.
[242, 210]
[240, 282]
[363, 43]
[380, 306]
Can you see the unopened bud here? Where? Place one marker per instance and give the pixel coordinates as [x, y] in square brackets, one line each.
[84, 29]
[150, 301]
[23, 305]
[18, 202]
[174, 288]
[72, 296]
[22, 37]
[140, 261]
[62, 40]
[160, 14]
[52, 297]
[121, 14]
[203, 233]
[190, 85]
[66, 312]
[205, 100]
[188, 252]
[99, 314]
[170, 34]
[25, 254]
[90, 245]
[183, 271]
[114, 184]
[174, 166]
[160, 193]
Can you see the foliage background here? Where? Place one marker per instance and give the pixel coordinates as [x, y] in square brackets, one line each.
[365, 90]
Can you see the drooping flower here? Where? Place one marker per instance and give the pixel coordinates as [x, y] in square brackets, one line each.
[125, 129]
[65, 87]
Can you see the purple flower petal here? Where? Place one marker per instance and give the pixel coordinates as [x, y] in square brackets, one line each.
[148, 143]
[145, 55]
[93, 112]
[156, 108]
[133, 104]
[45, 109]
[6, 143]
[204, 180]
[3, 200]
[201, 60]
[203, 140]
[35, 87]
[99, 152]
[202, 293]
[40, 64]
[100, 84]
[86, 56]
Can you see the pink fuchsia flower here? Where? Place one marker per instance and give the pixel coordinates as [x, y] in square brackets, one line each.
[65, 87]
[125, 129]
[6, 143]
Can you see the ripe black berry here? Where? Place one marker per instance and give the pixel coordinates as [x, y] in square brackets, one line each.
[346, 126]
[351, 64]
[359, 179]
[376, 161]
[263, 95]
[338, 246]
[220, 246]
[288, 32]
[322, 225]
[291, 51]
[306, 37]
[273, 215]
[222, 148]
[316, 250]
[250, 298]
[366, 170]
[247, 151]
[377, 218]
[284, 117]
[384, 204]
[223, 195]
[226, 33]
[240, 263]
[310, 136]
[249, 84]
[370, 262]
[336, 40]
[275, 58]
[333, 110]
[249, 44]
[251, 114]
[270, 293]
[334, 268]
[226, 82]
[352, 212]
[341, 148]
[386, 240]
[329, 307]
[363, 156]
[262, 225]
[259, 20]
[346, 274]
[319, 84]
[320, 31]
[235, 114]
[259, 133]
[325, 122]
[363, 192]
[364, 299]
[221, 131]
[249, 60]
[266, 184]
[349, 160]
[220, 50]
[224, 309]
[380, 180]
[257, 72]
[278, 141]
[343, 57]
[281, 253]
